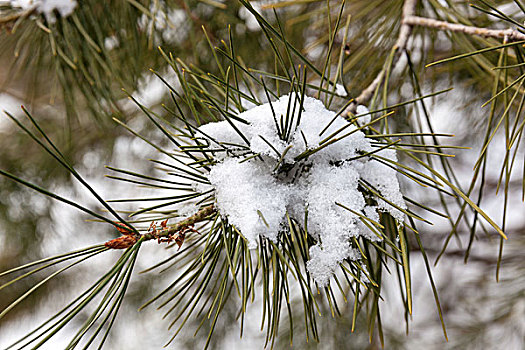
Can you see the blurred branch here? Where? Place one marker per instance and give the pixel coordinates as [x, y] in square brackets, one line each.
[9, 20]
[409, 9]
[196, 19]
[408, 20]
[510, 34]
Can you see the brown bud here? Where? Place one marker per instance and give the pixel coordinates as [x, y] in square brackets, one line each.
[123, 228]
[122, 242]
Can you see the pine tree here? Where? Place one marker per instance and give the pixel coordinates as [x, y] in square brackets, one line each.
[286, 157]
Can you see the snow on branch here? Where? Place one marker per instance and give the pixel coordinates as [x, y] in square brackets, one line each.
[47, 7]
[278, 159]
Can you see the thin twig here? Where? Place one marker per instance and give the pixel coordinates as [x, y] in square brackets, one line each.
[173, 229]
[512, 35]
[129, 238]
[409, 9]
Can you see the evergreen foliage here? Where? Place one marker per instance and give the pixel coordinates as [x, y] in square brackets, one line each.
[214, 64]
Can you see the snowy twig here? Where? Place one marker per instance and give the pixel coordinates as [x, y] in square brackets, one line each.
[510, 34]
[409, 9]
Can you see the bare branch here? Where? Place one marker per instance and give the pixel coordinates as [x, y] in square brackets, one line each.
[510, 34]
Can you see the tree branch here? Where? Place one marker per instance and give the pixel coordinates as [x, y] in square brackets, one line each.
[510, 34]
[408, 20]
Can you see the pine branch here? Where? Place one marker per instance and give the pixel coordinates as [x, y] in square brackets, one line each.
[220, 260]
[408, 21]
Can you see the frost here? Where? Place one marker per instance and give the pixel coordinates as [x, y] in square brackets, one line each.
[47, 7]
[256, 195]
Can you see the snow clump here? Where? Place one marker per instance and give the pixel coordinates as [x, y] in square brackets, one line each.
[47, 7]
[341, 91]
[256, 194]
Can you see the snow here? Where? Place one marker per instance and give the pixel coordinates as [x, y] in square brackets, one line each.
[255, 195]
[340, 90]
[365, 119]
[380, 176]
[251, 199]
[260, 6]
[151, 90]
[47, 7]
[249, 19]
[111, 42]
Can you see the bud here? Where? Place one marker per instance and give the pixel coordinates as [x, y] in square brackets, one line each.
[122, 242]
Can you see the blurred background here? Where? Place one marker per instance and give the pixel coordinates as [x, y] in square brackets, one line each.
[75, 106]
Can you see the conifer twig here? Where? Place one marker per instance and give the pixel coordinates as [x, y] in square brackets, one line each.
[129, 238]
[173, 229]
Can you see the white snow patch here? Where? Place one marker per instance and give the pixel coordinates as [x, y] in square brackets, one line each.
[255, 197]
[340, 90]
[260, 6]
[365, 119]
[47, 7]
[249, 18]
[111, 42]
[10, 104]
[151, 90]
